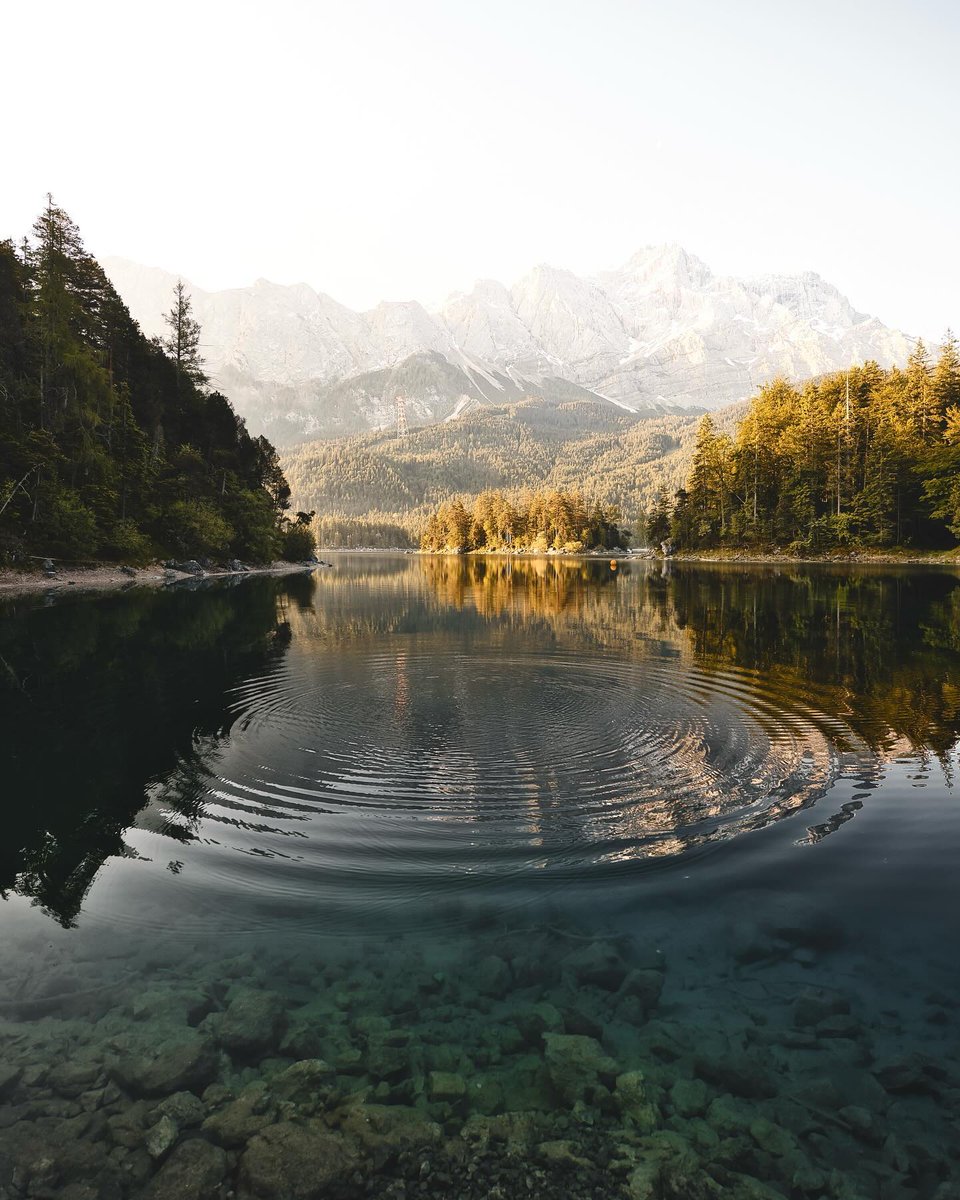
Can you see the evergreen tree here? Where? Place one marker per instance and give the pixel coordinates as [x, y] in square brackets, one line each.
[183, 341]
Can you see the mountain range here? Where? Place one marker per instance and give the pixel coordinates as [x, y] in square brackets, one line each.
[660, 334]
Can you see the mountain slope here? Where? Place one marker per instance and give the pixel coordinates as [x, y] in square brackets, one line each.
[610, 454]
[660, 332]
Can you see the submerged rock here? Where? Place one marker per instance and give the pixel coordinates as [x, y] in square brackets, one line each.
[253, 1023]
[162, 1137]
[736, 1072]
[242, 1118]
[194, 1171]
[187, 1062]
[597, 964]
[297, 1162]
[576, 1063]
[689, 1097]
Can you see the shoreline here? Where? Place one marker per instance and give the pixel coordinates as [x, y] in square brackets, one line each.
[949, 558]
[116, 578]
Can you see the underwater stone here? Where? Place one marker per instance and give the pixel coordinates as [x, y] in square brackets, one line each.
[840, 1025]
[302, 1039]
[598, 964]
[738, 1073]
[194, 1171]
[861, 1121]
[297, 1162]
[632, 1098]
[445, 1085]
[535, 1020]
[645, 985]
[491, 976]
[253, 1022]
[485, 1095]
[575, 1063]
[9, 1078]
[772, 1139]
[813, 1006]
[161, 1137]
[729, 1116]
[242, 1118]
[907, 1074]
[70, 1079]
[562, 1151]
[689, 1097]
[307, 1082]
[183, 1107]
[186, 1063]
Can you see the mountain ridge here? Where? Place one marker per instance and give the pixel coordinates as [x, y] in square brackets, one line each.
[660, 333]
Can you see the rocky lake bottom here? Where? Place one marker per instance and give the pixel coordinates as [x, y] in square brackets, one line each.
[744, 1060]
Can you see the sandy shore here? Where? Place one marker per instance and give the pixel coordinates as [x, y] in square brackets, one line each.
[110, 578]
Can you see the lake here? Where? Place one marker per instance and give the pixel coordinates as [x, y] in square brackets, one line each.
[483, 878]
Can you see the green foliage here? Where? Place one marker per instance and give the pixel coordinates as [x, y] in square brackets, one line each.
[297, 539]
[195, 527]
[861, 458]
[110, 446]
[539, 521]
[621, 459]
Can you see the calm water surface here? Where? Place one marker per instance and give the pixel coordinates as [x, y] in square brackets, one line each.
[451, 878]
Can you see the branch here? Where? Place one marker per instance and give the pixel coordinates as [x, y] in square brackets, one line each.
[16, 488]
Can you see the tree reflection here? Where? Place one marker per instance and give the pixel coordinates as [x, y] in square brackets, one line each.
[100, 697]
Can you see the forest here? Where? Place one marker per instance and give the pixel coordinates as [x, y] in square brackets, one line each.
[862, 458]
[112, 445]
[378, 489]
[524, 521]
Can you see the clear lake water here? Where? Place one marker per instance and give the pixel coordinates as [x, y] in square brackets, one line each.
[446, 877]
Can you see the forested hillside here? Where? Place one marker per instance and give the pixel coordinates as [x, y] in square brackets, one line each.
[111, 445]
[379, 489]
[863, 457]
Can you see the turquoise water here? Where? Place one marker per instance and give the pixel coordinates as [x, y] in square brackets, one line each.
[426, 877]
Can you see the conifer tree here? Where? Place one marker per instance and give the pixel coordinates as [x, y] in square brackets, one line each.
[183, 341]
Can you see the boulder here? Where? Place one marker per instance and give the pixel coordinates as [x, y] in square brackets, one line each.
[575, 1064]
[253, 1024]
[491, 976]
[597, 964]
[242, 1118]
[162, 1137]
[186, 1062]
[194, 1171]
[736, 1072]
[297, 1162]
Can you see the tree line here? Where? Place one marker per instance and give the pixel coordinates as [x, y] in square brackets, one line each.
[536, 521]
[113, 445]
[867, 457]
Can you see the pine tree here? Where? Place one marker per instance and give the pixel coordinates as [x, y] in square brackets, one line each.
[183, 341]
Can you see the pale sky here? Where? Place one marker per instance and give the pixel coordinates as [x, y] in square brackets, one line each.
[398, 149]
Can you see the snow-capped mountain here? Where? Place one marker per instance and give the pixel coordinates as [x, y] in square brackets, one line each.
[661, 331]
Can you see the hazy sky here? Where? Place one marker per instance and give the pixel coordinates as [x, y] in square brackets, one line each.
[395, 150]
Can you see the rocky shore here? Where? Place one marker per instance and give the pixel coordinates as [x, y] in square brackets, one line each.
[542, 1062]
[116, 578]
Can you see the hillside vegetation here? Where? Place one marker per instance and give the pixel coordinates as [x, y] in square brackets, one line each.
[864, 457]
[378, 489]
[112, 445]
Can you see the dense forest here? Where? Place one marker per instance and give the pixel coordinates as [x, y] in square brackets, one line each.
[532, 521]
[379, 489]
[112, 446]
[865, 457]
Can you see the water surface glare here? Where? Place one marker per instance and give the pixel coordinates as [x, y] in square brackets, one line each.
[436, 877]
